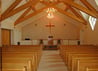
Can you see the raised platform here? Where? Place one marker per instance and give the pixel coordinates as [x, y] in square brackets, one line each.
[50, 47]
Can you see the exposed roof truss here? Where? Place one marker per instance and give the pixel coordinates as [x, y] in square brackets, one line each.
[30, 5]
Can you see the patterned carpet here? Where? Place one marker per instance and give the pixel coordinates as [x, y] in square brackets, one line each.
[51, 61]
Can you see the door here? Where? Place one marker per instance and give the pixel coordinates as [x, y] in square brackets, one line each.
[6, 37]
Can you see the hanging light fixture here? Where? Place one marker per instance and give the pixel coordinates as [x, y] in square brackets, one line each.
[50, 12]
[50, 15]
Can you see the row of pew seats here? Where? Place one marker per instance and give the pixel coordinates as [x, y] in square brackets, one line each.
[80, 57]
[21, 58]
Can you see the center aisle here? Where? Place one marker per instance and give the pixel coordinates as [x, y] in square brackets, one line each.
[51, 61]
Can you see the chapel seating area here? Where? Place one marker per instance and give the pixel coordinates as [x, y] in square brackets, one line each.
[21, 58]
[80, 57]
[27, 57]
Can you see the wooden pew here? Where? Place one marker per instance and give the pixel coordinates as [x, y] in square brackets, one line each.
[33, 63]
[14, 69]
[93, 68]
[66, 53]
[73, 48]
[18, 63]
[24, 52]
[73, 60]
[19, 58]
[31, 56]
[85, 63]
[71, 55]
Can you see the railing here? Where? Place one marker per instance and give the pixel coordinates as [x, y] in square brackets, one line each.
[46, 42]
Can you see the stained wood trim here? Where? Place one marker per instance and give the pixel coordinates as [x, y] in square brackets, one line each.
[13, 12]
[24, 14]
[81, 8]
[9, 34]
[50, 4]
[35, 13]
[29, 16]
[12, 6]
[66, 13]
[33, 6]
[89, 6]
[77, 14]
[28, 10]
[66, 8]
[70, 15]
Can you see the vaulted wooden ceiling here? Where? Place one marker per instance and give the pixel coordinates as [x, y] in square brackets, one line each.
[70, 5]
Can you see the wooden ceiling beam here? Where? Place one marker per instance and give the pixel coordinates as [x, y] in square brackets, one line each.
[50, 4]
[77, 14]
[29, 16]
[24, 14]
[13, 12]
[69, 15]
[35, 13]
[81, 8]
[74, 11]
[66, 13]
[12, 6]
[28, 10]
[89, 6]
[66, 8]
[33, 6]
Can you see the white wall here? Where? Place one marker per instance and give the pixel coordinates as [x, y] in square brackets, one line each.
[15, 32]
[38, 30]
[88, 36]
[7, 24]
[83, 37]
[16, 36]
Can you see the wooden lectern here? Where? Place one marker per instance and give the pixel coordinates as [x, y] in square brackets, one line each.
[50, 40]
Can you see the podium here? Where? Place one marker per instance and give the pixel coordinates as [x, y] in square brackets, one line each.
[50, 46]
[50, 42]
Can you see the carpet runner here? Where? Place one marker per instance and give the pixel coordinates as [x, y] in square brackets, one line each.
[51, 61]
[50, 47]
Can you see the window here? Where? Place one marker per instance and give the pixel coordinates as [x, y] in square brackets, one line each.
[92, 22]
[85, 16]
[96, 2]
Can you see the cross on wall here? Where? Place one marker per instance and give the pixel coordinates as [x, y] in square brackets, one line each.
[50, 26]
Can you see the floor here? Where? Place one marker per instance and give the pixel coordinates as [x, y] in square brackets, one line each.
[51, 61]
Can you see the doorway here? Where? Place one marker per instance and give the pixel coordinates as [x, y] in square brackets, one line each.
[5, 37]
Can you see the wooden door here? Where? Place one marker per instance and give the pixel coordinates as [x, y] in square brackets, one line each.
[6, 37]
